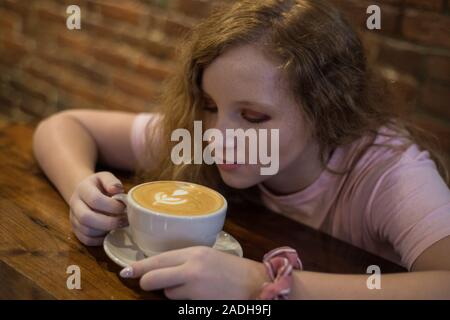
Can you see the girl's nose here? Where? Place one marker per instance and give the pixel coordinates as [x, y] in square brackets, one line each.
[225, 143]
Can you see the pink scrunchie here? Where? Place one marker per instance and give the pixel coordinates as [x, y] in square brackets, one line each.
[279, 265]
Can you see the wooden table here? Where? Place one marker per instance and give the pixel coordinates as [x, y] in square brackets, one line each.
[37, 245]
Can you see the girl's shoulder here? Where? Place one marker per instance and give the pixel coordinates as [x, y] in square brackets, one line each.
[392, 147]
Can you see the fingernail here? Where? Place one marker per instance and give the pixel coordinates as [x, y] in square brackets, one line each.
[127, 272]
[118, 186]
[123, 220]
[123, 223]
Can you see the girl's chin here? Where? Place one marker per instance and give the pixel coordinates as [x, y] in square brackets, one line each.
[238, 181]
[230, 167]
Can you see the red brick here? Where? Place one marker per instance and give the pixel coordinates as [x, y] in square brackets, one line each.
[438, 67]
[176, 26]
[63, 79]
[79, 48]
[112, 53]
[170, 22]
[30, 86]
[371, 44]
[82, 89]
[109, 100]
[6, 102]
[97, 27]
[135, 86]
[436, 97]
[125, 10]
[403, 90]
[110, 31]
[354, 11]
[20, 7]
[6, 69]
[29, 103]
[427, 27]
[18, 116]
[195, 8]
[161, 48]
[153, 68]
[52, 13]
[435, 5]
[153, 42]
[116, 100]
[436, 126]
[9, 22]
[74, 41]
[396, 3]
[24, 11]
[15, 50]
[83, 65]
[70, 101]
[34, 107]
[402, 56]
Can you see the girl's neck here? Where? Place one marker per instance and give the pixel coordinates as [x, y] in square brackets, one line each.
[299, 175]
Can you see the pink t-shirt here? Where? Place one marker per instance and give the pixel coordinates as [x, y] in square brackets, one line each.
[392, 206]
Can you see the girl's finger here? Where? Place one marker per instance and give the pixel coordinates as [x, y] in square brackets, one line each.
[163, 260]
[176, 293]
[109, 182]
[89, 241]
[96, 200]
[90, 232]
[163, 278]
[92, 219]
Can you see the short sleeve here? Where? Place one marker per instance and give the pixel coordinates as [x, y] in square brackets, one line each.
[139, 130]
[410, 207]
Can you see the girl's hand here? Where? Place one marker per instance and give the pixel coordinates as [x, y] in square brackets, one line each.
[92, 212]
[199, 273]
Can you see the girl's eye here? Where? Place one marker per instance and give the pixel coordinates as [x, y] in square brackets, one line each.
[254, 117]
[210, 108]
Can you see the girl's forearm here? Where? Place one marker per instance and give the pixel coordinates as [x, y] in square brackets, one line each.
[65, 151]
[413, 285]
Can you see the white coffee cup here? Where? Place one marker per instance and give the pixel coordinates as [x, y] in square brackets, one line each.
[155, 232]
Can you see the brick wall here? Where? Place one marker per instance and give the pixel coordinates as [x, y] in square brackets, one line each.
[412, 51]
[125, 49]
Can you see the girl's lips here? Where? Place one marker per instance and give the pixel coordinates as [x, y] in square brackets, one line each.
[227, 167]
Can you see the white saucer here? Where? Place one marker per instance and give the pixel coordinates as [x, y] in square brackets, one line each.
[122, 250]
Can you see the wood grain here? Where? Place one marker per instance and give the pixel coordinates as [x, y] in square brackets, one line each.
[37, 245]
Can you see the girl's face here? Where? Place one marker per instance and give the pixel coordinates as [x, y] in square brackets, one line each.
[245, 90]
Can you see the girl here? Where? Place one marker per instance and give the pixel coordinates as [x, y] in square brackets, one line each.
[348, 165]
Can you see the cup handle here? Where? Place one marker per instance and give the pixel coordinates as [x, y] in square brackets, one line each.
[122, 197]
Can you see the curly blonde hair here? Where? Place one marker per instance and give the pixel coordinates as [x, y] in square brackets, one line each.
[323, 60]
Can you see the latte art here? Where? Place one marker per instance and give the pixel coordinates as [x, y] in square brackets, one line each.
[161, 197]
[178, 198]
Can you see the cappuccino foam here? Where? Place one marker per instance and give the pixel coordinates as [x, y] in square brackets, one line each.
[178, 198]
